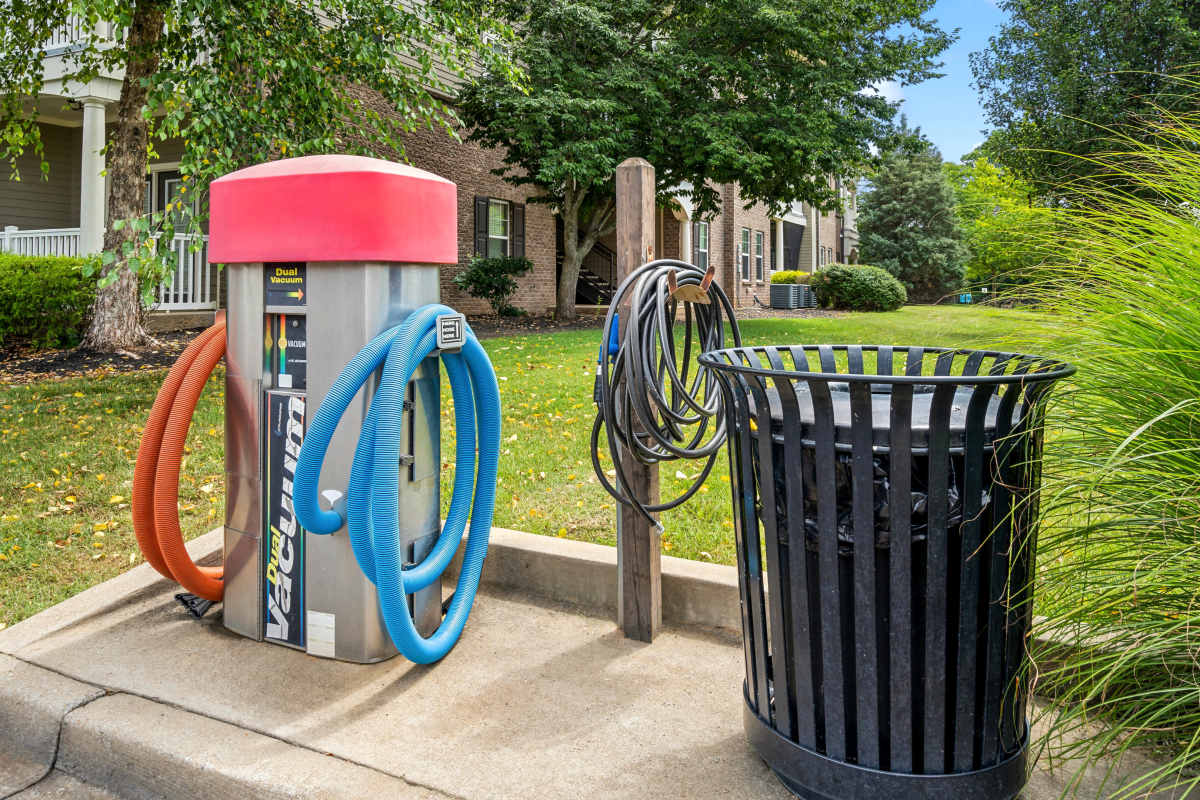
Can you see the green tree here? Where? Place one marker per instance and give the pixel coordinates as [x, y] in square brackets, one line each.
[768, 94]
[1061, 74]
[240, 83]
[908, 224]
[1007, 234]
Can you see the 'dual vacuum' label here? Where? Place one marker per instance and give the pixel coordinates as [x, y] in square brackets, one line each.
[283, 540]
[284, 284]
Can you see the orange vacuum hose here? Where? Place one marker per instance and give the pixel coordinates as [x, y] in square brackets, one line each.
[156, 474]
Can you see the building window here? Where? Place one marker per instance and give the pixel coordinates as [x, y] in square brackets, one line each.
[498, 239]
[744, 254]
[701, 234]
[499, 228]
[758, 255]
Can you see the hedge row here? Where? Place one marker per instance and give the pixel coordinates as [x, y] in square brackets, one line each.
[44, 300]
[858, 288]
[790, 276]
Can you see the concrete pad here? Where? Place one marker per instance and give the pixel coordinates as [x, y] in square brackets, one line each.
[694, 594]
[137, 748]
[33, 702]
[535, 701]
[540, 699]
[17, 772]
[59, 785]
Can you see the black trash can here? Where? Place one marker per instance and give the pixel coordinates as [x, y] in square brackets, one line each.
[888, 496]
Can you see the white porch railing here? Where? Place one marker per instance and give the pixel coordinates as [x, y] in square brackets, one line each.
[75, 31]
[47, 242]
[192, 286]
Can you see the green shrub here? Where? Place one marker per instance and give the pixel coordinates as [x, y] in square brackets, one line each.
[790, 276]
[493, 279]
[858, 288]
[44, 299]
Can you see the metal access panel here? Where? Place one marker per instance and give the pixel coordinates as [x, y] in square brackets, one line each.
[291, 328]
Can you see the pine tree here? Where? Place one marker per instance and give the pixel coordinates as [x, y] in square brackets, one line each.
[907, 224]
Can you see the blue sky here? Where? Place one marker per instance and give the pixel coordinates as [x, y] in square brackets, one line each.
[947, 109]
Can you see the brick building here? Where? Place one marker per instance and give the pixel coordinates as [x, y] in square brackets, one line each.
[745, 245]
[65, 215]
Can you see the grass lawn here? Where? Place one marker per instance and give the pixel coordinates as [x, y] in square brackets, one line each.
[67, 450]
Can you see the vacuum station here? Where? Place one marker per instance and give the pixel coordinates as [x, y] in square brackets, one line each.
[887, 493]
[333, 342]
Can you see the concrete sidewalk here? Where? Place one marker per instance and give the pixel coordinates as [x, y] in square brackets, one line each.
[536, 701]
[118, 693]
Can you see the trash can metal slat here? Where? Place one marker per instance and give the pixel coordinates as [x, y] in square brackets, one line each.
[937, 566]
[833, 672]
[865, 620]
[1000, 542]
[799, 590]
[900, 581]
[752, 549]
[969, 581]
[781, 707]
[746, 579]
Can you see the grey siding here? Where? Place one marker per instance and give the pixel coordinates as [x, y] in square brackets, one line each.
[169, 150]
[51, 203]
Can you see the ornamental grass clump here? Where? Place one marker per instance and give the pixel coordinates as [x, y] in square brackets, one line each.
[1119, 557]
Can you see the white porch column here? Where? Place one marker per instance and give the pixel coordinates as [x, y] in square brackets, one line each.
[91, 179]
[685, 240]
[778, 223]
[815, 239]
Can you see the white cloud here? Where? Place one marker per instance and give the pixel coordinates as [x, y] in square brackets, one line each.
[892, 90]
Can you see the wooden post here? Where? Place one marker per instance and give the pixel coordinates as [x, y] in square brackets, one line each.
[639, 549]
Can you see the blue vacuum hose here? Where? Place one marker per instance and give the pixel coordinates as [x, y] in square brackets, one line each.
[372, 506]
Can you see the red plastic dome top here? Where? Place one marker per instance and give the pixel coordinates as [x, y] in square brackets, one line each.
[333, 208]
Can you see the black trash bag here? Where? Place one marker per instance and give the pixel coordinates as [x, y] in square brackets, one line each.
[881, 491]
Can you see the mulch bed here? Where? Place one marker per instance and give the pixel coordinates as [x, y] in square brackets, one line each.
[490, 326]
[21, 364]
[757, 312]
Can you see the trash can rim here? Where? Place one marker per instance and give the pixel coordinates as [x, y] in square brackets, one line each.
[1055, 369]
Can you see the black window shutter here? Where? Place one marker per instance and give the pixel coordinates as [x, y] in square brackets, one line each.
[518, 230]
[695, 242]
[481, 225]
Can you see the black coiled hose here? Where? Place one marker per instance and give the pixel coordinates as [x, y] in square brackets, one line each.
[672, 403]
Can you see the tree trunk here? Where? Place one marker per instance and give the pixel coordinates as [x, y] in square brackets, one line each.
[575, 249]
[116, 316]
[564, 307]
